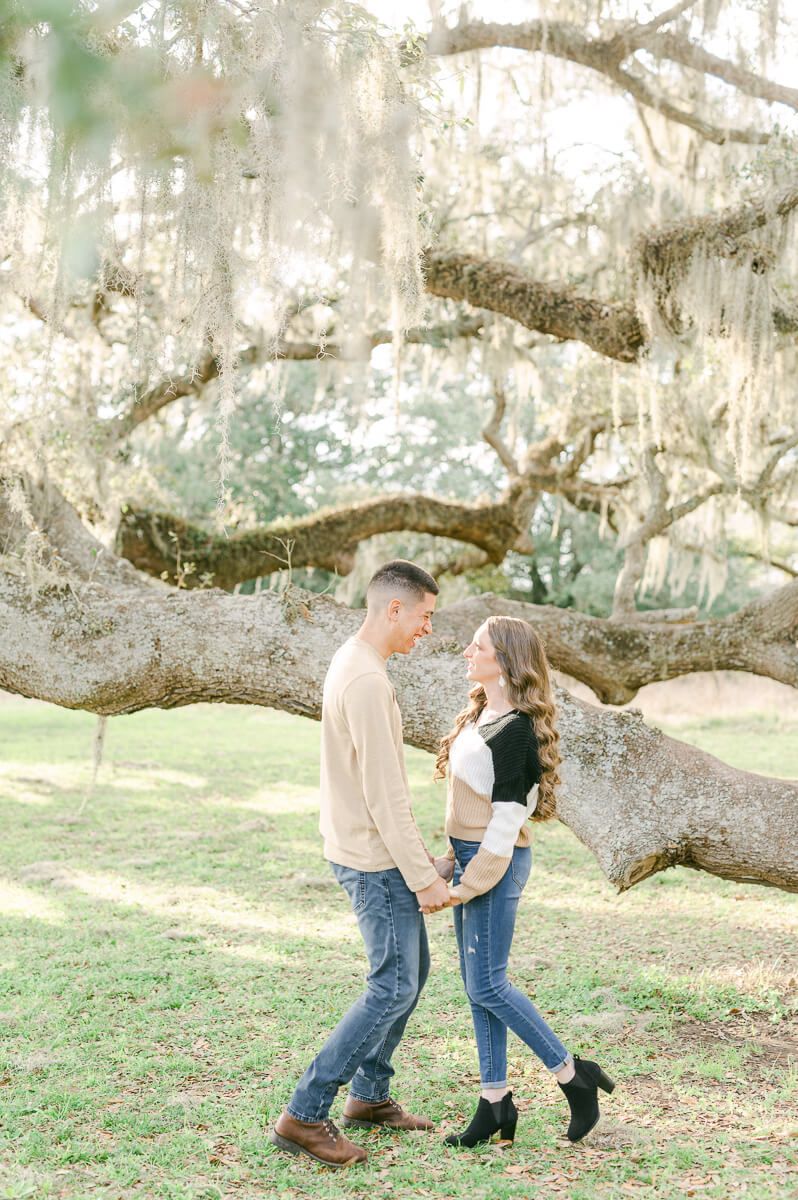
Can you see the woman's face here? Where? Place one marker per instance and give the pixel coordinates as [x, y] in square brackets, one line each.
[481, 657]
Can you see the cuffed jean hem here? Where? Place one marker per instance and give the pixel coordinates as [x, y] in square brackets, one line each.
[299, 1117]
[370, 1099]
[292, 1112]
[569, 1058]
[492, 1086]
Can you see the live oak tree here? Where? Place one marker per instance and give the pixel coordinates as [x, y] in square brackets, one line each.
[198, 194]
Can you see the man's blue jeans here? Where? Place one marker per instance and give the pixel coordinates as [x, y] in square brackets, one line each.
[484, 928]
[360, 1047]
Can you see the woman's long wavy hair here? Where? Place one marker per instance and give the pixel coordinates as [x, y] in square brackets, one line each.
[522, 659]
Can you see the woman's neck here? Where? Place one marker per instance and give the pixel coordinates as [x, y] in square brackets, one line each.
[497, 702]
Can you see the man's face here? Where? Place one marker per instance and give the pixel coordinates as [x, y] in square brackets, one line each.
[412, 619]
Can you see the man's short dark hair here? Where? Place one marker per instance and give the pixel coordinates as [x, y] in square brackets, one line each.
[402, 576]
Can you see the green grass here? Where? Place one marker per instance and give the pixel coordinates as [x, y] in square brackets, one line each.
[170, 960]
[770, 740]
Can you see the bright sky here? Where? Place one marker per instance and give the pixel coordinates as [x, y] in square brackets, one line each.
[601, 127]
[592, 129]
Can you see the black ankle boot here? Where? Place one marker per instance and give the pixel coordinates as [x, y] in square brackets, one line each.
[501, 1115]
[582, 1096]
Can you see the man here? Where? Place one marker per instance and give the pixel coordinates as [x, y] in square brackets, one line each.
[377, 855]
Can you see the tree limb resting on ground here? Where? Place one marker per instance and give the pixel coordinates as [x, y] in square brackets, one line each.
[113, 643]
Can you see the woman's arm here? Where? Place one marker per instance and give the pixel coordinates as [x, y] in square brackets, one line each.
[493, 857]
[516, 769]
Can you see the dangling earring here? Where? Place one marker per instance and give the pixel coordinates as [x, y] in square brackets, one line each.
[501, 681]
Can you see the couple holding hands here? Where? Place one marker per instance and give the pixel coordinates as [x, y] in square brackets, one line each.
[501, 761]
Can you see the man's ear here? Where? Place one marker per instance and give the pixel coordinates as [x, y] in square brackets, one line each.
[393, 609]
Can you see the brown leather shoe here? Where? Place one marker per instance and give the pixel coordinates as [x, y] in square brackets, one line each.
[320, 1140]
[385, 1115]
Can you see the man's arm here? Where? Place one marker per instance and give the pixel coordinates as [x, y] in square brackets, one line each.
[368, 704]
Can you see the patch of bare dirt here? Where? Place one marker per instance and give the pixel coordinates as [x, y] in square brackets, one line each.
[767, 1041]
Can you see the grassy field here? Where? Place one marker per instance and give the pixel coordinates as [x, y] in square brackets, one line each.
[171, 958]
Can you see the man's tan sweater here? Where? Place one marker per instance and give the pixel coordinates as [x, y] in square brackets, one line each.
[366, 817]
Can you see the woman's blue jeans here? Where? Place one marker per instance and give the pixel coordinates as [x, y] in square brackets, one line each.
[484, 928]
[360, 1047]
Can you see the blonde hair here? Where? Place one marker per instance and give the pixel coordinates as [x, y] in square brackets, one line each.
[522, 659]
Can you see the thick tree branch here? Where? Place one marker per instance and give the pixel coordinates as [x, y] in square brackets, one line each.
[164, 393]
[161, 544]
[692, 812]
[681, 50]
[327, 539]
[675, 242]
[616, 658]
[659, 102]
[612, 329]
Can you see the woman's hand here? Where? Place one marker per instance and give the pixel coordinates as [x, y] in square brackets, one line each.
[444, 867]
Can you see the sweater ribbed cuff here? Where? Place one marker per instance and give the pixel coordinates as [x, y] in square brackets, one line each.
[482, 873]
[422, 882]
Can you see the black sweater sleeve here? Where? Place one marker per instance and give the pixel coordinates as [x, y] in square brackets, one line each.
[516, 764]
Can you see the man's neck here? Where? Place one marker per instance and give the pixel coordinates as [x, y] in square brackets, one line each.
[374, 636]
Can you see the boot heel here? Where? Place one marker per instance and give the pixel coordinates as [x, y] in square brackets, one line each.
[507, 1132]
[604, 1081]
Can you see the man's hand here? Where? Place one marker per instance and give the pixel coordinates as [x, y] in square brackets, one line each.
[433, 898]
[444, 867]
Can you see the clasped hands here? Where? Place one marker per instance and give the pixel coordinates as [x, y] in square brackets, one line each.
[437, 896]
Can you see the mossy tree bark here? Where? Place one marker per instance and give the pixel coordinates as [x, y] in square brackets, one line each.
[327, 539]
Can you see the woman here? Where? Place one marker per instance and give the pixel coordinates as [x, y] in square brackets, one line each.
[502, 759]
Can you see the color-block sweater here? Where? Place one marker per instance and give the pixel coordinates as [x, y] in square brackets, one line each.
[494, 770]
